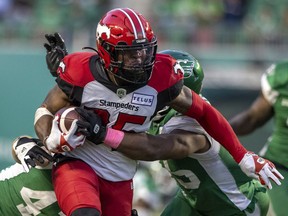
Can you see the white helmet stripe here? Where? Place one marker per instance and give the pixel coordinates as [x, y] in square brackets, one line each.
[141, 26]
[132, 23]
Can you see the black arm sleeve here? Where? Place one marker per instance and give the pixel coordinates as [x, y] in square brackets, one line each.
[73, 92]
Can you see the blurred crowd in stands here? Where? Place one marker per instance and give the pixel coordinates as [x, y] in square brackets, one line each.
[196, 21]
[28, 20]
[224, 21]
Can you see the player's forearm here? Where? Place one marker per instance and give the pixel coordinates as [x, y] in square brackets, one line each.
[136, 146]
[43, 126]
[54, 101]
[142, 146]
[256, 116]
[217, 126]
[242, 124]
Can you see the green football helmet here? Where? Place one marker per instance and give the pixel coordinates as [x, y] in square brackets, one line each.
[193, 72]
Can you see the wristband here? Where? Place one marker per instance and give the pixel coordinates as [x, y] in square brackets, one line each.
[41, 111]
[113, 138]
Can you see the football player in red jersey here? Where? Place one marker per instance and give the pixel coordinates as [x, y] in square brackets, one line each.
[126, 83]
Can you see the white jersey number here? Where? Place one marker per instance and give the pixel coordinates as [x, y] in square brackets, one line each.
[44, 199]
[191, 180]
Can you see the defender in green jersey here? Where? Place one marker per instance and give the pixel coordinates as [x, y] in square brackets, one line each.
[272, 102]
[210, 181]
[26, 194]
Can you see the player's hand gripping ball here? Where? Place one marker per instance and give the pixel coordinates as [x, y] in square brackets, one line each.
[65, 133]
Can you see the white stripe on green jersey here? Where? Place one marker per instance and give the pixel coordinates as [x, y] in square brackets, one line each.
[212, 182]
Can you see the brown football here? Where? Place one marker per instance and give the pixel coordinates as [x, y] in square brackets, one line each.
[66, 116]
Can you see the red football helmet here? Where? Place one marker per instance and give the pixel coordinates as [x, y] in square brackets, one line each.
[127, 45]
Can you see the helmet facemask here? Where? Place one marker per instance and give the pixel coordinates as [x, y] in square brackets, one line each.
[132, 64]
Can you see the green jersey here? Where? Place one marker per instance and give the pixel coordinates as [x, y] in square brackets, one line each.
[27, 194]
[212, 183]
[275, 90]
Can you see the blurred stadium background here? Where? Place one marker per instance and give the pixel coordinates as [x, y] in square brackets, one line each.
[234, 40]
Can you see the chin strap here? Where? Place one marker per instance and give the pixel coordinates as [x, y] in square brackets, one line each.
[90, 48]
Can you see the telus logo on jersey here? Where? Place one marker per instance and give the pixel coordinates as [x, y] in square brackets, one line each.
[141, 99]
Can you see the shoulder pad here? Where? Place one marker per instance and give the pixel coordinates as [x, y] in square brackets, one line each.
[166, 72]
[74, 68]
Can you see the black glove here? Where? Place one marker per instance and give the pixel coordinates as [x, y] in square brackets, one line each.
[91, 126]
[134, 212]
[29, 152]
[56, 50]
